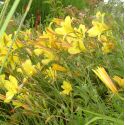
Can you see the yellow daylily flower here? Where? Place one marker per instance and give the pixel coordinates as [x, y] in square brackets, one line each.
[77, 46]
[97, 29]
[80, 32]
[100, 16]
[12, 88]
[74, 49]
[119, 80]
[81, 45]
[28, 67]
[102, 74]
[12, 59]
[66, 27]
[67, 88]
[6, 41]
[47, 39]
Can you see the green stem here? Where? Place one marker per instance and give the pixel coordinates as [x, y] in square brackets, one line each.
[4, 10]
[15, 36]
[9, 16]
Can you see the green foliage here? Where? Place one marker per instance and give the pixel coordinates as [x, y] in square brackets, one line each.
[47, 9]
[90, 103]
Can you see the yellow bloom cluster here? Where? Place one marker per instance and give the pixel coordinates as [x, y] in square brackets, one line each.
[10, 85]
[60, 36]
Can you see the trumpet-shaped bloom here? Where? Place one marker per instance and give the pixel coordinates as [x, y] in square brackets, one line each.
[80, 32]
[12, 88]
[12, 59]
[47, 39]
[6, 41]
[100, 16]
[67, 88]
[97, 29]
[76, 47]
[119, 80]
[66, 27]
[102, 74]
[28, 67]
[98, 26]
